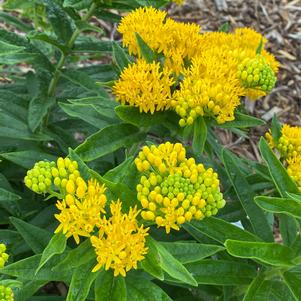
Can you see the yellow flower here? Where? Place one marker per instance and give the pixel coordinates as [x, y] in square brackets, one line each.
[179, 2]
[289, 143]
[174, 189]
[144, 86]
[121, 242]
[294, 169]
[3, 256]
[6, 293]
[79, 215]
[176, 41]
[210, 88]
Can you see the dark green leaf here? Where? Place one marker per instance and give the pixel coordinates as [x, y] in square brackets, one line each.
[293, 281]
[253, 287]
[187, 252]
[144, 50]
[246, 196]
[78, 4]
[199, 135]
[8, 49]
[109, 140]
[9, 201]
[36, 238]
[276, 129]
[109, 288]
[280, 205]
[218, 230]
[120, 57]
[242, 121]
[270, 253]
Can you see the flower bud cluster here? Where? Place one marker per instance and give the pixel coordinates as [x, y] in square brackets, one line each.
[257, 73]
[3, 256]
[174, 189]
[294, 169]
[6, 293]
[39, 178]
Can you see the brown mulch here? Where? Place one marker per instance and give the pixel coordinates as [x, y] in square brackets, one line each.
[280, 22]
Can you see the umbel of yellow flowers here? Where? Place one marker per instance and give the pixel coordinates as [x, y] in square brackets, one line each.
[195, 74]
[174, 189]
[120, 244]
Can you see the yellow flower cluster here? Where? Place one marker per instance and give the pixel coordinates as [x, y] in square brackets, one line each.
[176, 41]
[80, 213]
[121, 242]
[211, 71]
[179, 2]
[289, 148]
[3, 256]
[6, 293]
[174, 189]
[145, 86]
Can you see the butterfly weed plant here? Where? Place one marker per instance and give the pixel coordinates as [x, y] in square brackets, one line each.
[114, 184]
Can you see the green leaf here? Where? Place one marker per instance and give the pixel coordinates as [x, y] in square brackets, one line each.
[280, 205]
[144, 50]
[25, 269]
[38, 109]
[253, 287]
[140, 119]
[139, 289]
[151, 262]
[270, 253]
[77, 4]
[281, 179]
[7, 49]
[81, 255]
[276, 129]
[27, 158]
[9, 201]
[221, 272]
[15, 21]
[120, 58]
[109, 288]
[260, 46]
[242, 121]
[225, 27]
[109, 140]
[56, 245]
[90, 44]
[173, 267]
[199, 135]
[29, 288]
[293, 280]
[187, 252]
[36, 238]
[49, 40]
[81, 282]
[246, 196]
[218, 230]
[59, 20]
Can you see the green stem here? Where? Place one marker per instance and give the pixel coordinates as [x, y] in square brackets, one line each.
[61, 62]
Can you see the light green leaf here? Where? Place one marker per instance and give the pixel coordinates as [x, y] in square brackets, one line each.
[218, 230]
[242, 121]
[281, 179]
[280, 205]
[187, 252]
[56, 245]
[270, 253]
[109, 288]
[78, 4]
[36, 238]
[109, 140]
[173, 267]
[254, 287]
[246, 196]
[221, 272]
[276, 129]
